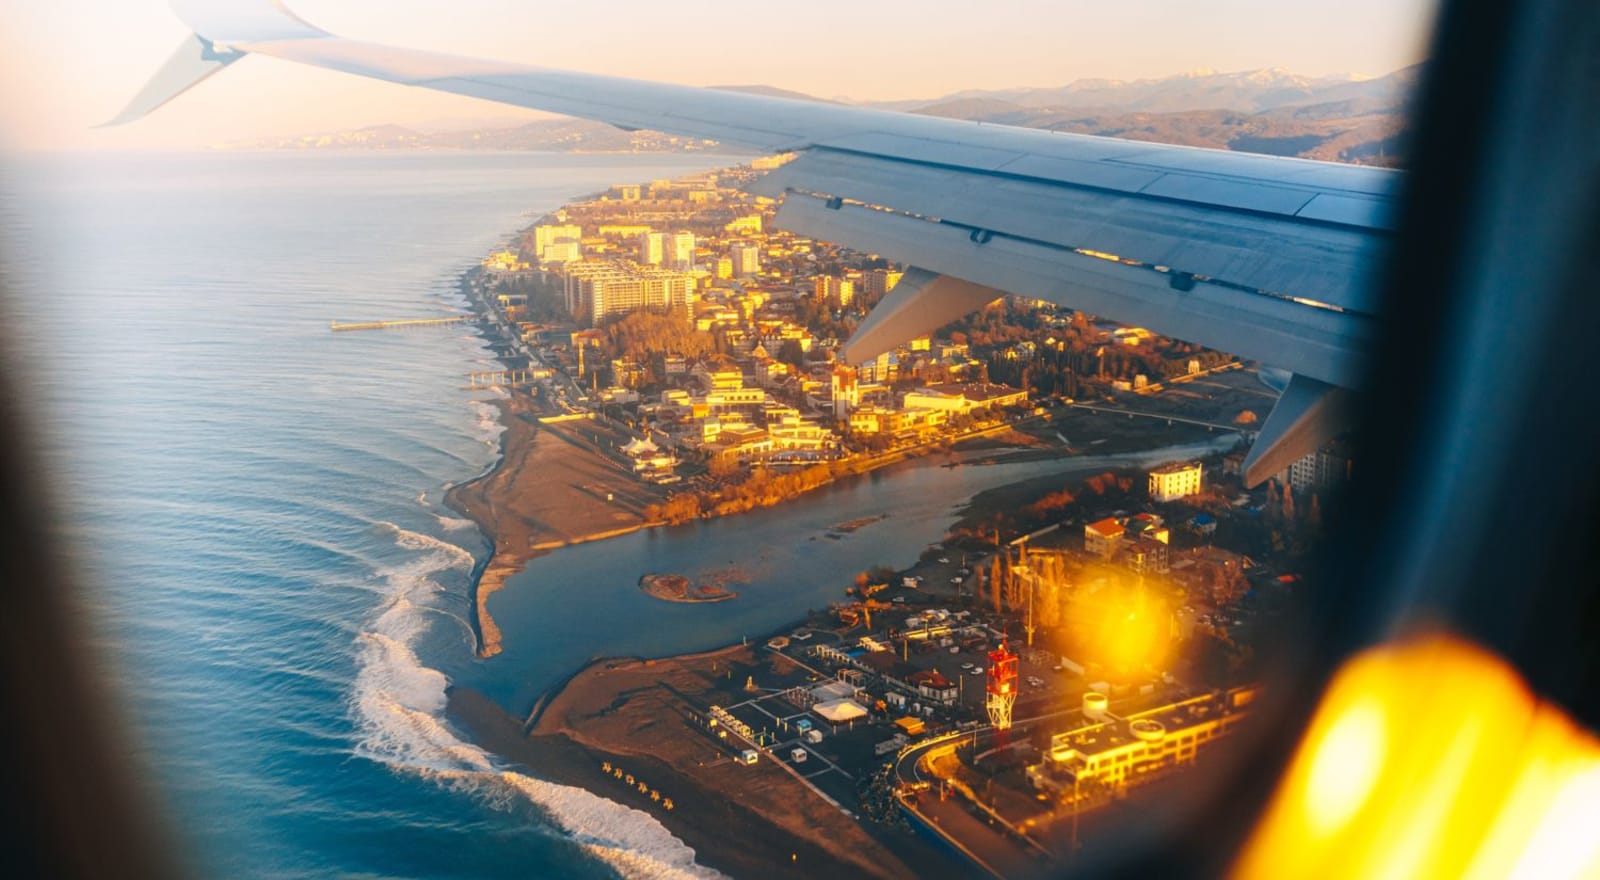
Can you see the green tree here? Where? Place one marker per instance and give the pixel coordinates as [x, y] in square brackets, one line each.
[790, 352]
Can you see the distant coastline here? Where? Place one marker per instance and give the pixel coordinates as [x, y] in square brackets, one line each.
[553, 135]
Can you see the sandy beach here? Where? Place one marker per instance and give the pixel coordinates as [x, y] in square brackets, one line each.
[747, 821]
[552, 487]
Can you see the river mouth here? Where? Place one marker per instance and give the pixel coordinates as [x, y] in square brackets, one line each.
[583, 602]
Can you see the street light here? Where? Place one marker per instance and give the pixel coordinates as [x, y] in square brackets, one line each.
[1077, 807]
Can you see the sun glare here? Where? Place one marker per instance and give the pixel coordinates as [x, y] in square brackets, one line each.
[1346, 767]
[1431, 758]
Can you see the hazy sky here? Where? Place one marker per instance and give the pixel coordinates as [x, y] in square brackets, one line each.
[66, 65]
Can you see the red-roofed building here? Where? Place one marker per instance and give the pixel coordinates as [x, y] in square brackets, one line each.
[932, 685]
[1101, 538]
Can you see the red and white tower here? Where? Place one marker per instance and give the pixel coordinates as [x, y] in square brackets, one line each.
[1002, 686]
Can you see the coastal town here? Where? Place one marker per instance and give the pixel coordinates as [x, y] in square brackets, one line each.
[1048, 665]
[674, 312]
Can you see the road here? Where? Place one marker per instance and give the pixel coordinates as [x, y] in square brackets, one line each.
[1169, 419]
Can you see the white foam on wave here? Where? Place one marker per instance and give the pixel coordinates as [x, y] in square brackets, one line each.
[450, 553]
[399, 703]
[452, 523]
[489, 427]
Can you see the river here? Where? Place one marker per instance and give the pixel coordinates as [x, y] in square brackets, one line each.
[584, 601]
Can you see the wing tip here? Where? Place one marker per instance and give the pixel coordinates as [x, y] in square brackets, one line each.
[195, 60]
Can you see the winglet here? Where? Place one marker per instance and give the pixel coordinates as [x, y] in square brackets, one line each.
[223, 30]
[1309, 414]
[196, 59]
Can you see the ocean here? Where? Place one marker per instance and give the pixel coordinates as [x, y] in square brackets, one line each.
[254, 501]
[254, 505]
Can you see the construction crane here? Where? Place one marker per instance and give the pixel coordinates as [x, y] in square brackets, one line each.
[860, 612]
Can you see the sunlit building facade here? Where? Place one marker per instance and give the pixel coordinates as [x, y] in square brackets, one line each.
[878, 282]
[652, 248]
[1124, 751]
[680, 251]
[1174, 481]
[557, 243]
[598, 290]
[838, 291]
[746, 258]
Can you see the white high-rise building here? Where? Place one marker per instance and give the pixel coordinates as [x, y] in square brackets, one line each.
[652, 248]
[746, 258]
[846, 392]
[680, 251]
[880, 281]
[565, 240]
[603, 289]
[1322, 470]
[838, 291]
[561, 252]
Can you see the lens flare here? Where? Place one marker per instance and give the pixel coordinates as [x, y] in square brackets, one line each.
[1345, 767]
[1431, 758]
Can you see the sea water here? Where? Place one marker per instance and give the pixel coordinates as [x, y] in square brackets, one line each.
[254, 505]
[254, 502]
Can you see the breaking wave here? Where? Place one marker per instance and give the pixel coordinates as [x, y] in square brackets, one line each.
[489, 427]
[398, 706]
[452, 555]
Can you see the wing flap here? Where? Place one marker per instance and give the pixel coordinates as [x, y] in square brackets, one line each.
[1269, 252]
[1319, 343]
[921, 303]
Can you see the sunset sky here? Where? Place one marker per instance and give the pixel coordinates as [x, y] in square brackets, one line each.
[69, 64]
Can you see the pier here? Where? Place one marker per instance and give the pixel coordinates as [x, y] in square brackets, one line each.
[337, 327]
[482, 379]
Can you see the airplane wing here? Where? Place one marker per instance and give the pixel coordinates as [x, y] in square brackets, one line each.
[1264, 257]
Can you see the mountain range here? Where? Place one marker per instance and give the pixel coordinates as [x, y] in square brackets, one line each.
[1273, 111]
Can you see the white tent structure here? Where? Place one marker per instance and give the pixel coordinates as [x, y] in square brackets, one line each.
[641, 448]
[840, 711]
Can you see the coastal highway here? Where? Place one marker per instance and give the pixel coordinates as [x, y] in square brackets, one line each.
[976, 836]
[975, 830]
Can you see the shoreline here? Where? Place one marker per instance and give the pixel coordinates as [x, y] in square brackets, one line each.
[517, 510]
[742, 821]
[510, 501]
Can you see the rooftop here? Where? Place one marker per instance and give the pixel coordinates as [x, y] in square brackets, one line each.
[1109, 735]
[1175, 467]
[975, 391]
[1106, 528]
[931, 678]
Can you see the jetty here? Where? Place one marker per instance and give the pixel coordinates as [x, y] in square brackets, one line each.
[511, 378]
[337, 327]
